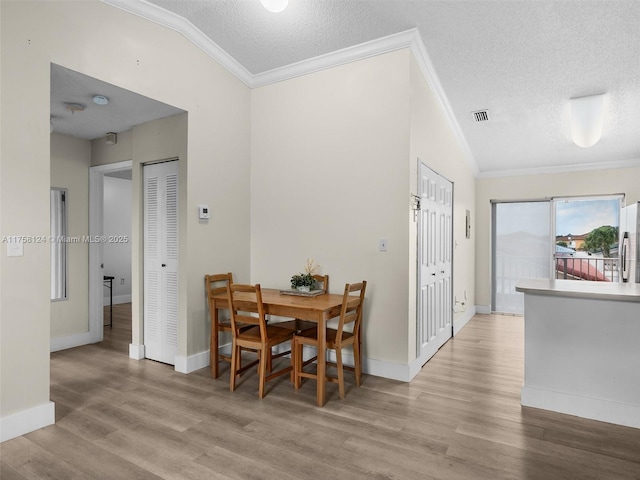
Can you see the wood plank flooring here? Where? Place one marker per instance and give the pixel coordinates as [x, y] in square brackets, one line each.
[460, 418]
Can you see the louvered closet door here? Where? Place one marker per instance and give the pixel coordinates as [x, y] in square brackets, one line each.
[161, 261]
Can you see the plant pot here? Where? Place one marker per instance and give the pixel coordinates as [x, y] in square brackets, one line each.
[304, 288]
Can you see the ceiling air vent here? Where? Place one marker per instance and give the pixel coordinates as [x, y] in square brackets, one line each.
[481, 116]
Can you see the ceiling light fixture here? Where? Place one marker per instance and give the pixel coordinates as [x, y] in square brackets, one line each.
[275, 6]
[100, 100]
[586, 119]
[74, 107]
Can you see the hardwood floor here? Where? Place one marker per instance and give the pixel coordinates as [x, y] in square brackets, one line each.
[460, 418]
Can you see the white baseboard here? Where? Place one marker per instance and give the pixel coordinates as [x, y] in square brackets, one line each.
[27, 421]
[117, 300]
[483, 309]
[192, 362]
[585, 407]
[394, 371]
[463, 320]
[70, 341]
[136, 351]
[370, 366]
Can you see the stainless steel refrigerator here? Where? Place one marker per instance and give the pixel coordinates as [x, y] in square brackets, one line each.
[630, 222]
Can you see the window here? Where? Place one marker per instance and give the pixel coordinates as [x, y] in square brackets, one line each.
[58, 237]
[587, 231]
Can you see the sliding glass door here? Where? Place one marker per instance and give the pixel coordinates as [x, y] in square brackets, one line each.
[573, 238]
[522, 245]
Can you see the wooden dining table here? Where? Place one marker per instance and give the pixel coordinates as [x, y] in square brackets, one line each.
[318, 309]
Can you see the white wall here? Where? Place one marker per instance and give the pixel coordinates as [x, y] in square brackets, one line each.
[434, 143]
[334, 160]
[108, 44]
[117, 227]
[70, 158]
[329, 178]
[592, 182]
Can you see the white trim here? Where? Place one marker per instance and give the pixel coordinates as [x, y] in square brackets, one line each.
[428, 71]
[96, 219]
[462, 321]
[179, 24]
[370, 366]
[393, 371]
[483, 309]
[343, 56]
[70, 341]
[136, 351]
[585, 407]
[629, 163]
[27, 421]
[95, 253]
[407, 39]
[192, 362]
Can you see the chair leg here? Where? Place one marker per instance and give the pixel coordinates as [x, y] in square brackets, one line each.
[264, 353]
[340, 372]
[235, 351]
[297, 348]
[292, 375]
[357, 362]
[269, 360]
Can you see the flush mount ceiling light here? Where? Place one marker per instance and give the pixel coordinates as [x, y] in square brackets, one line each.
[275, 6]
[100, 100]
[586, 119]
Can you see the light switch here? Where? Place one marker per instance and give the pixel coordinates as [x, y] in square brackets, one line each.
[15, 249]
[382, 244]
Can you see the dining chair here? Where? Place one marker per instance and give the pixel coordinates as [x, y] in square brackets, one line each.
[246, 307]
[216, 284]
[300, 325]
[337, 339]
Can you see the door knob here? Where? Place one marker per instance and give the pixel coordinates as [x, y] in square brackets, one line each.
[164, 264]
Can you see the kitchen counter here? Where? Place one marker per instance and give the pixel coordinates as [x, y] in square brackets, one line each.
[628, 292]
[582, 349]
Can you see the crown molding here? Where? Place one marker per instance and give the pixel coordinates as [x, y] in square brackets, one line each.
[364, 50]
[629, 163]
[408, 39]
[170, 20]
[429, 73]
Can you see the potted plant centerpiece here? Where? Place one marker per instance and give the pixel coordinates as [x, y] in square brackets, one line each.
[304, 282]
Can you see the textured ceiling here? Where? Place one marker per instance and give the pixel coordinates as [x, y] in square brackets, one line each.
[520, 59]
[124, 110]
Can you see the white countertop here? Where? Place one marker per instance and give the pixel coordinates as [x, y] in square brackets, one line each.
[628, 292]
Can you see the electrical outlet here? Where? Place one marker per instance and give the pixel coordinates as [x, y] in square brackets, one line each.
[383, 243]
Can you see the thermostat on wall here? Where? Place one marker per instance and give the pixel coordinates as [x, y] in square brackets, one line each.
[203, 212]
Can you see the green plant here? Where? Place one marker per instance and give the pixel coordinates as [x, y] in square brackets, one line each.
[601, 238]
[302, 280]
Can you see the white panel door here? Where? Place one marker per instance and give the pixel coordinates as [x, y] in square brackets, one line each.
[435, 231]
[161, 261]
